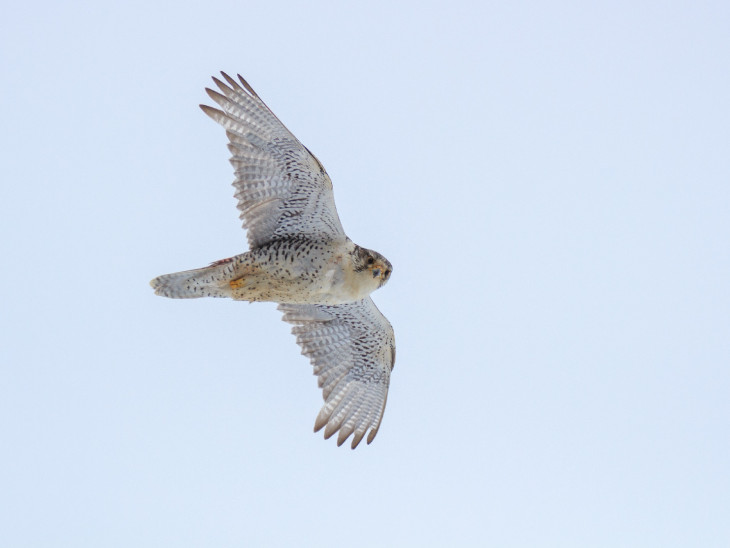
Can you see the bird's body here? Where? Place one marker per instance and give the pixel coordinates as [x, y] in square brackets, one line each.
[296, 271]
[300, 257]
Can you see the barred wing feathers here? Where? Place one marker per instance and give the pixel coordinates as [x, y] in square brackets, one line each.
[282, 189]
[352, 349]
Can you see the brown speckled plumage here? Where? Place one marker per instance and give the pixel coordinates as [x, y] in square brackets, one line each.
[301, 258]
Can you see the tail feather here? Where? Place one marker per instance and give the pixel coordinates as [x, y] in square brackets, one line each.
[211, 281]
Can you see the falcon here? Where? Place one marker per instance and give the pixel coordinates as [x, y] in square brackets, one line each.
[300, 257]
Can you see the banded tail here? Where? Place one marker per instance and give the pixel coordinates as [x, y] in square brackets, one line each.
[211, 281]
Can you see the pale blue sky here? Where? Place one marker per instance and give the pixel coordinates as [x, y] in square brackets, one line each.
[551, 181]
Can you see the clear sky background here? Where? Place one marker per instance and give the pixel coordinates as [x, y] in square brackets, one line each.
[551, 181]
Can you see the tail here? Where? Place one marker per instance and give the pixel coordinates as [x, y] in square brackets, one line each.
[211, 281]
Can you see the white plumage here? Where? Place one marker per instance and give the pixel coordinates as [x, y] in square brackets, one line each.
[301, 258]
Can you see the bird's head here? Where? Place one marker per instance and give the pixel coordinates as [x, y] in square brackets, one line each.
[372, 265]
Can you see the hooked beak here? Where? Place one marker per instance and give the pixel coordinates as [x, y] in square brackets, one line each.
[382, 272]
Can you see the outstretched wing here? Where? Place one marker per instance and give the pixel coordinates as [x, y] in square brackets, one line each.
[282, 189]
[352, 349]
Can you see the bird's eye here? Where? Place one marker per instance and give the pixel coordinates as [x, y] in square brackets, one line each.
[371, 260]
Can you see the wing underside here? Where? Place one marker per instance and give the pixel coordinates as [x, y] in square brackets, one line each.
[352, 349]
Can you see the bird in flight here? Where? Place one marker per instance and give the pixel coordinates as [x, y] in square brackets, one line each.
[301, 258]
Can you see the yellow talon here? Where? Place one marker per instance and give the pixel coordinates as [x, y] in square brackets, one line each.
[238, 283]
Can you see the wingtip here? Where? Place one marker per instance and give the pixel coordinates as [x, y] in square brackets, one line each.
[235, 85]
[226, 89]
[357, 438]
[219, 98]
[212, 112]
[371, 435]
[247, 86]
